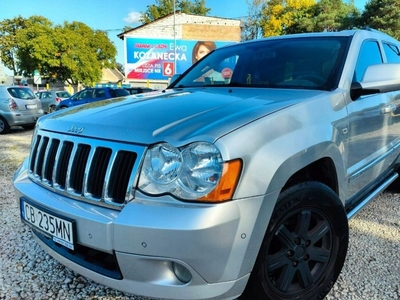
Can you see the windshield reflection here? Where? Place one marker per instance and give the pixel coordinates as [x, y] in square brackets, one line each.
[294, 63]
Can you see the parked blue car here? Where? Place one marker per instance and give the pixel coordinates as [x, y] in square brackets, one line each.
[92, 94]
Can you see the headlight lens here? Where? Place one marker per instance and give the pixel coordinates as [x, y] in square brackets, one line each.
[188, 173]
[202, 168]
[162, 163]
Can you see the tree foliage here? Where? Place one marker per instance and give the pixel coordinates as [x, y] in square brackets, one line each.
[9, 43]
[251, 27]
[163, 8]
[383, 15]
[278, 16]
[329, 15]
[71, 52]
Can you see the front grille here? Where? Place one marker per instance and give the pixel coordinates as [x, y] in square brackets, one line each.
[85, 169]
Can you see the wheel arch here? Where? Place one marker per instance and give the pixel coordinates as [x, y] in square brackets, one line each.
[322, 163]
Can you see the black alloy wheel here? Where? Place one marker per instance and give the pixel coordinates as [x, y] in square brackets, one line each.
[304, 248]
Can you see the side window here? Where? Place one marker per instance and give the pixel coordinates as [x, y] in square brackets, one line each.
[99, 94]
[85, 95]
[369, 55]
[88, 94]
[13, 92]
[392, 53]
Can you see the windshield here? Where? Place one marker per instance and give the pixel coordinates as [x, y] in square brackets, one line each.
[296, 63]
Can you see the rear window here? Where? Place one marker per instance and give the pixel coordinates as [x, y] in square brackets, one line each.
[63, 95]
[21, 93]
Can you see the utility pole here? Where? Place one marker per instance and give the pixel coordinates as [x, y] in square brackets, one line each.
[174, 38]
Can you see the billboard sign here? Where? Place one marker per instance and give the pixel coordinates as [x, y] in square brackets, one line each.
[155, 59]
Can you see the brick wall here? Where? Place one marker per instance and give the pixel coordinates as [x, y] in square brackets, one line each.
[210, 32]
[191, 27]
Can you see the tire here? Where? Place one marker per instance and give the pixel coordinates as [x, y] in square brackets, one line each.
[28, 127]
[52, 108]
[304, 248]
[4, 127]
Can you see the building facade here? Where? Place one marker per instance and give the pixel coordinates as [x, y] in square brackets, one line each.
[154, 52]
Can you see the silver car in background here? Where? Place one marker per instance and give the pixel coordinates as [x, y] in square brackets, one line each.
[18, 107]
[51, 98]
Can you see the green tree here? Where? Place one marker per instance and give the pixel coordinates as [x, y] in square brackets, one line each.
[120, 67]
[82, 54]
[383, 15]
[71, 52]
[252, 28]
[9, 43]
[279, 16]
[127, 28]
[35, 45]
[163, 8]
[328, 15]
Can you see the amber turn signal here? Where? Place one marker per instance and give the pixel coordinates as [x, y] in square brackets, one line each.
[227, 185]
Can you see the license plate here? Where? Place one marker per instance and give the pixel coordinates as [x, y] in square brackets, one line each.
[31, 106]
[59, 228]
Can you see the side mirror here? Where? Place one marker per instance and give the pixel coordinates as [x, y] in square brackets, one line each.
[380, 78]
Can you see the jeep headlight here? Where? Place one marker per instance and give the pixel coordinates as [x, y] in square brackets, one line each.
[195, 172]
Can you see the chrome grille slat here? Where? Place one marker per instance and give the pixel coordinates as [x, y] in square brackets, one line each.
[50, 161]
[76, 173]
[120, 176]
[89, 170]
[61, 168]
[40, 160]
[35, 145]
[95, 181]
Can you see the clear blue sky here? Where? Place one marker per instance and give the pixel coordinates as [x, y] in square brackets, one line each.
[111, 15]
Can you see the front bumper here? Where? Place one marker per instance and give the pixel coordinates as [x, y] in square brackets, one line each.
[148, 237]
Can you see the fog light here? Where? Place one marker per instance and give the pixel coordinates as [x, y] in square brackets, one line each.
[181, 272]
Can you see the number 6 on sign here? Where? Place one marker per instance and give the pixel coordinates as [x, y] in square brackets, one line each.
[168, 68]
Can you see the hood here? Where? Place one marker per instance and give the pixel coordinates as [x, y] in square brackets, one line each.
[174, 116]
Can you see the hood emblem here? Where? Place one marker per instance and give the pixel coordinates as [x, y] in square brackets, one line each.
[76, 129]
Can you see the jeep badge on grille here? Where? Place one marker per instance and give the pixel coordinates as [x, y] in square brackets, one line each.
[76, 129]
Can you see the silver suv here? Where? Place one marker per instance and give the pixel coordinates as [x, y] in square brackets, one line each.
[237, 180]
[18, 107]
